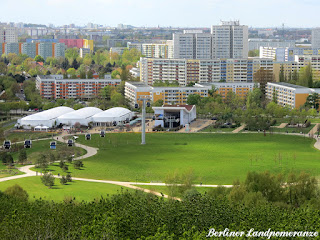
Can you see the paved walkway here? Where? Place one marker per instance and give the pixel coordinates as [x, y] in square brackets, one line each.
[198, 125]
[282, 125]
[314, 130]
[239, 129]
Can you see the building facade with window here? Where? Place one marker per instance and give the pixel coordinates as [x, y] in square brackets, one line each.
[179, 95]
[54, 87]
[286, 94]
[185, 71]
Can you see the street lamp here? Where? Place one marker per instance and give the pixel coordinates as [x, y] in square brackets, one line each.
[145, 102]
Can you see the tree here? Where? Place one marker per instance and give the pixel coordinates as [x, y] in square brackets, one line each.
[306, 76]
[61, 164]
[281, 74]
[42, 162]
[72, 73]
[254, 98]
[68, 177]
[263, 76]
[72, 54]
[83, 75]
[312, 101]
[295, 77]
[158, 103]
[253, 53]
[63, 180]
[17, 192]
[75, 64]
[3, 68]
[77, 164]
[22, 156]
[48, 180]
[193, 99]
[90, 74]
[38, 58]
[65, 64]
[124, 75]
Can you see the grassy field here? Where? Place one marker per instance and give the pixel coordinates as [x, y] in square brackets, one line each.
[21, 136]
[293, 129]
[86, 191]
[43, 146]
[212, 129]
[214, 158]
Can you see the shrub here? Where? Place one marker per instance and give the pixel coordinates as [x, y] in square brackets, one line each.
[77, 164]
[68, 177]
[48, 180]
[63, 180]
[17, 192]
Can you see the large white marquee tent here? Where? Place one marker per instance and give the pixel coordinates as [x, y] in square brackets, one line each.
[82, 116]
[46, 118]
[117, 114]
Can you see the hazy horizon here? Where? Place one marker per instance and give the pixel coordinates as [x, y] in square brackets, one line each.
[151, 13]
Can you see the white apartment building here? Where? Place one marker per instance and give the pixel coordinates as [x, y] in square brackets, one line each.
[185, 71]
[84, 52]
[8, 34]
[154, 50]
[229, 40]
[315, 38]
[287, 94]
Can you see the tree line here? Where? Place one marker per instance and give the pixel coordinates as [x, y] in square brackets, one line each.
[263, 201]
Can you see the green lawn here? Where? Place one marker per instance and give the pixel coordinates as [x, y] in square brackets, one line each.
[21, 136]
[86, 191]
[214, 158]
[43, 146]
[212, 129]
[314, 120]
[293, 129]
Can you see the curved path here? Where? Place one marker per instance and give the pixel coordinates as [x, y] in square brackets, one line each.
[93, 151]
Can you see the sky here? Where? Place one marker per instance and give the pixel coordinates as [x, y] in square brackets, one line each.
[163, 13]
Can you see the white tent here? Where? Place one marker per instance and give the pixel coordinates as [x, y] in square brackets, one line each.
[117, 114]
[82, 116]
[45, 118]
[41, 128]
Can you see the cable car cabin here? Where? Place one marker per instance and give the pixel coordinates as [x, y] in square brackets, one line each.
[53, 145]
[88, 136]
[70, 143]
[27, 143]
[7, 144]
[102, 133]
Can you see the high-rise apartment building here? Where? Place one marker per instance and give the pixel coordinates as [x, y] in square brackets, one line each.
[229, 40]
[192, 44]
[154, 50]
[29, 49]
[185, 71]
[315, 38]
[32, 49]
[8, 34]
[300, 61]
[12, 48]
